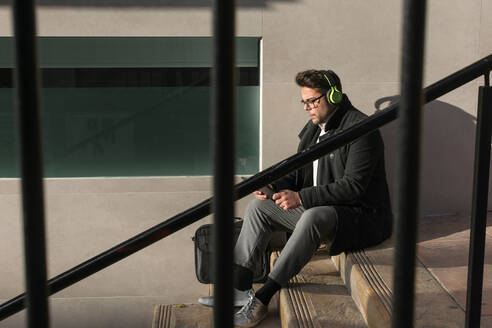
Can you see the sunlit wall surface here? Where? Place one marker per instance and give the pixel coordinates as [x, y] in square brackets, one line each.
[130, 106]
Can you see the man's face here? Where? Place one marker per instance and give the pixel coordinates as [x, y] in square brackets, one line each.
[319, 110]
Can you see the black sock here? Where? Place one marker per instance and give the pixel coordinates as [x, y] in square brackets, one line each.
[243, 278]
[266, 292]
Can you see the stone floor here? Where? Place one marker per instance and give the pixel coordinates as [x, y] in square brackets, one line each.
[95, 312]
[443, 249]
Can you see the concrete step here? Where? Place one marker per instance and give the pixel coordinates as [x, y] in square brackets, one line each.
[368, 275]
[182, 315]
[199, 316]
[317, 297]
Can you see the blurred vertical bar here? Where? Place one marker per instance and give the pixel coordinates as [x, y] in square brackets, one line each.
[223, 141]
[27, 102]
[479, 208]
[409, 118]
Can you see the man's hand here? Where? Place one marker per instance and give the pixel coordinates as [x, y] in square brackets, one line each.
[287, 199]
[261, 195]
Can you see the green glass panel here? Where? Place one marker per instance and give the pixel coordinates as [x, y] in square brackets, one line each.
[91, 132]
[96, 52]
[8, 146]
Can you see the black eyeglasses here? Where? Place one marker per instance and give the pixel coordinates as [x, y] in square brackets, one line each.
[311, 103]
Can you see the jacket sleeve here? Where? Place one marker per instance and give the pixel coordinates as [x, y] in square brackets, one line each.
[362, 158]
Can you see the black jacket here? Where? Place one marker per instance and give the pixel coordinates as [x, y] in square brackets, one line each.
[351, 178]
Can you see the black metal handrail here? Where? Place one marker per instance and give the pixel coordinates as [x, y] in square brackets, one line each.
[244, 188]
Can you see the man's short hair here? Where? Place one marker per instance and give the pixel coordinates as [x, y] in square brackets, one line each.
[314, 79]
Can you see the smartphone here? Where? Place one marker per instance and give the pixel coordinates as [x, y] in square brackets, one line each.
[265, 190]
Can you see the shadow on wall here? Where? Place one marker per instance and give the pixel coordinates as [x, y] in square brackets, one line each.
[447, 157]
[146, 3]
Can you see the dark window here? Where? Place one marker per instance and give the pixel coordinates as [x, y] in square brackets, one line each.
[130, 106]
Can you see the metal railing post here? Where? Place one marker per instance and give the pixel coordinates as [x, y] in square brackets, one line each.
[409, 117]
[223, 140]
[27, 102]
[479, 208]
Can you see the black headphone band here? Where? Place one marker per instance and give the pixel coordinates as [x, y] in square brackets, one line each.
[329, 76]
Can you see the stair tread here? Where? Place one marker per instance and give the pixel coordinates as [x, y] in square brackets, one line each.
[369, 276]
[199, 316]
[317, 297]
[182, 315]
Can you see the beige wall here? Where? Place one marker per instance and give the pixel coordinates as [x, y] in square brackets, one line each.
[85, 217]
[360, 40]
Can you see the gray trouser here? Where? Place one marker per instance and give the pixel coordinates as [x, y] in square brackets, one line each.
[309, 228]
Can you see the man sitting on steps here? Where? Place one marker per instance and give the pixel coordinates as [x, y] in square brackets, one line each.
[341, 199]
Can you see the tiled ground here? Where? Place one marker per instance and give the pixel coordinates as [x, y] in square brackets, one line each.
[443, 248]
[95, 312]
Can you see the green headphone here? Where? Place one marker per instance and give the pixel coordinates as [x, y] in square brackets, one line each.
[333, 95]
